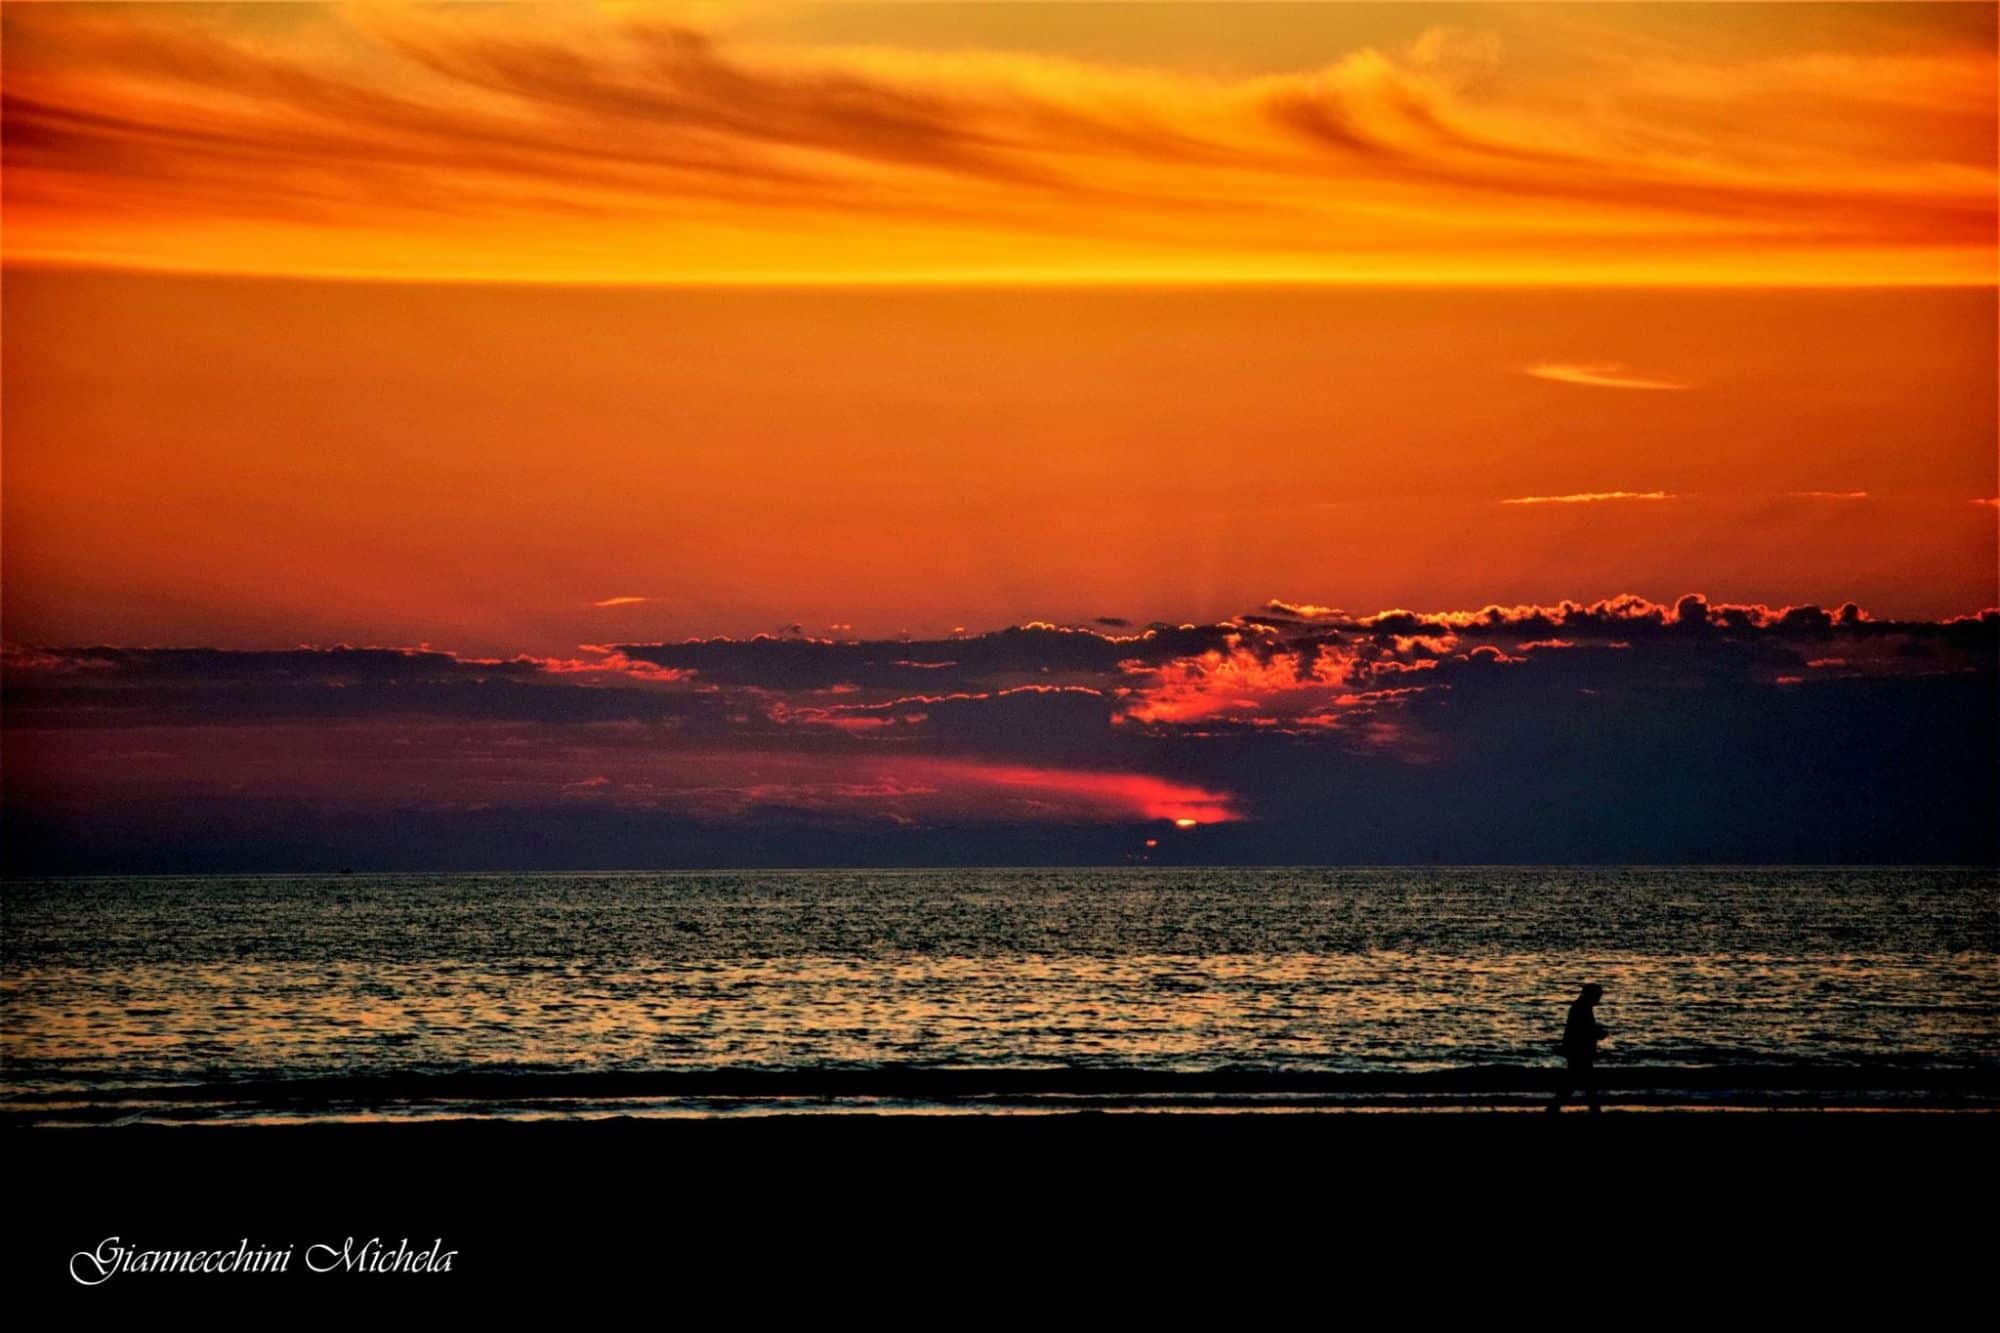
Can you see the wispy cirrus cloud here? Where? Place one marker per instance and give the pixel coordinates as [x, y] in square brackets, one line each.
[1589, 497]
[621, 601]
[1603, 497]
[638, 145]
[1601, 375]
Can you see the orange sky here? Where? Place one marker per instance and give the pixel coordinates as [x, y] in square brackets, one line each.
[912, 433]
[275, 462]
[883, 318]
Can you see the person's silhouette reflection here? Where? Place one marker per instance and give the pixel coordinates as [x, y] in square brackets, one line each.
[1579, 1048]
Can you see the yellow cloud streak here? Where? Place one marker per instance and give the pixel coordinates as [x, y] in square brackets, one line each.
[1601, 375]
[1590, 497]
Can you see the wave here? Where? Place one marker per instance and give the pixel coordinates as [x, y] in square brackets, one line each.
[50, 1096]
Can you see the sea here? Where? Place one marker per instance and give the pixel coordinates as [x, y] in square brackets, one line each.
[369, 997]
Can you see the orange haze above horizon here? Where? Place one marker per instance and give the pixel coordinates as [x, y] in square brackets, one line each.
[507, 469]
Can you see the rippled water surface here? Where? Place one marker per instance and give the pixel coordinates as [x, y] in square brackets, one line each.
[114, 986]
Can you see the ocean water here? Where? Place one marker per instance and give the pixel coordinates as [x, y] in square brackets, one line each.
[366, 996]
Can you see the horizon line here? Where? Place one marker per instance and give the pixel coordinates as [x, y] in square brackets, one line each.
[11, 877]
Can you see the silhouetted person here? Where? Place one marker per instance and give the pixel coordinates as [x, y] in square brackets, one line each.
[1579, 1047]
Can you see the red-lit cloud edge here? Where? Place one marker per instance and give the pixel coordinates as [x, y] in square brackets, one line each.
[1099, 723]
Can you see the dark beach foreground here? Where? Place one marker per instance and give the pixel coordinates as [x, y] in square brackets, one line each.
[947, 1218]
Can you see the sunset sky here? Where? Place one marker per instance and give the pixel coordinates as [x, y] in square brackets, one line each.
[612, 143]
[633, 433]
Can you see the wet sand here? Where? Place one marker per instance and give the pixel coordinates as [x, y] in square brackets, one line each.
[1032, 1215]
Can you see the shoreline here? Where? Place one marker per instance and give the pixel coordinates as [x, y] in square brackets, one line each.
[453, 1121]
[438, 1119]
[50, 1097]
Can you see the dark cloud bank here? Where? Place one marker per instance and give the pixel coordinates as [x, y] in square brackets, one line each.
[1621, 731]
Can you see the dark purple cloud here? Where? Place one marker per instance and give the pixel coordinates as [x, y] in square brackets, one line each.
[1615, 730]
